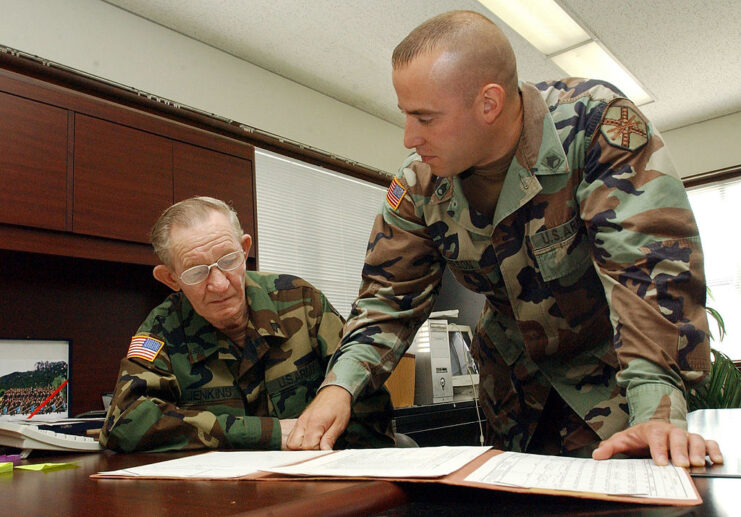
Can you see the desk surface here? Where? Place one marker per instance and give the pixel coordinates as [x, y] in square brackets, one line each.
[719, 494]
[719, 500]
[72, 492]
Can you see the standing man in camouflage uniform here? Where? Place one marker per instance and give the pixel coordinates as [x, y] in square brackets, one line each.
[233, 356]
[558, 202]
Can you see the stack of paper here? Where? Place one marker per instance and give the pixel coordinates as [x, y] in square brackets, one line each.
[634, 480]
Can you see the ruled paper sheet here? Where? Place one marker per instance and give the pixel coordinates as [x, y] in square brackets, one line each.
[637, 477]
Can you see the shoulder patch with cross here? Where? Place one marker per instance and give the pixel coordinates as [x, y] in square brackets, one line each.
[624, 128]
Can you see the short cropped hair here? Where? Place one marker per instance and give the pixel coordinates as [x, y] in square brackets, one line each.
[187, 213]
[471, 34]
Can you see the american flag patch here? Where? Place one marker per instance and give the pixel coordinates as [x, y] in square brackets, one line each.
[144, 347]
[395, 193]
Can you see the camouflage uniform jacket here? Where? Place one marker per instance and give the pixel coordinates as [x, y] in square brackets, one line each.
[591, 267]
[201, 390]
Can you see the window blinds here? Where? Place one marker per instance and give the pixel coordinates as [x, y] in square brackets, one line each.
[314, 223]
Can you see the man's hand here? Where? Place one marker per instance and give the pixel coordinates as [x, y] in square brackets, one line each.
[286, 426]
[323, 421]
[663, 440]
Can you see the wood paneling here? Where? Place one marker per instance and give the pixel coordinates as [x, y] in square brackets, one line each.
[33, 163]
[31, 66]
[82, 180]
[97, 304]
[92, 169]
[202, 172]
[34, 240]
[150, 121]
[123, 179]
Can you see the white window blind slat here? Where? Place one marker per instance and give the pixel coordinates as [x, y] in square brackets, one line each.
[314, 223]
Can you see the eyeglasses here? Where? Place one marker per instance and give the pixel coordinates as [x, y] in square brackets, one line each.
[197, 274]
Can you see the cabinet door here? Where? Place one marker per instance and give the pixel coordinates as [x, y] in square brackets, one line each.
[123, 179]
[203, 172]
[33, 163]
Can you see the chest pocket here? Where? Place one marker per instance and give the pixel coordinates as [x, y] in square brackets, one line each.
[562, 251]
[292, 392]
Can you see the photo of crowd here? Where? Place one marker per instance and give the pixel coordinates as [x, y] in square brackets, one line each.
[23, 401]
[21, 392]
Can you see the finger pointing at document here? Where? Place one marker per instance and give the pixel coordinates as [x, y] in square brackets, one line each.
[323, 421]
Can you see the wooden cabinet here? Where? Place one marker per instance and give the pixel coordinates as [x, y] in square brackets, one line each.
[122, 182]
[84, 177]
[33, 163]
[202, 172]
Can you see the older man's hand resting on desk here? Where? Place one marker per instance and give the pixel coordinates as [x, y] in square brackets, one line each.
[662, 440]
[323, 421]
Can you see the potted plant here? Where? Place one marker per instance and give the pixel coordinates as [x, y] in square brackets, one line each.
[723, 388]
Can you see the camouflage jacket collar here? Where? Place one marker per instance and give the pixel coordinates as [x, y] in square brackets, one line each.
[263, 322]
[263, 314]
[444, 188]
[540, 149]
[201, 338]
[539, 153]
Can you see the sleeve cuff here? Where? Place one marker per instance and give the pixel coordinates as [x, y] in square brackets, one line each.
[349, 374]
[261, 433]
[657, 402]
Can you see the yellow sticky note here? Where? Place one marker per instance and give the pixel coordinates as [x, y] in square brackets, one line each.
[6, 467]
[46, 467]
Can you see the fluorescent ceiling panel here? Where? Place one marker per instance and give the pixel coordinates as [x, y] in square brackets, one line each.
[542, 22]
[593, 61]
[552, 31]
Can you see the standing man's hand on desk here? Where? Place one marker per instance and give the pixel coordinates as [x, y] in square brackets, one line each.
[323, 421]
[663, 440]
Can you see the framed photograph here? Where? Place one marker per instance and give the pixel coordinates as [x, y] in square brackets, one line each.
[34, 378]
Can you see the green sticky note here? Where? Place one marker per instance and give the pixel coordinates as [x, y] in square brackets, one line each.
[46, 467]
[6, 467]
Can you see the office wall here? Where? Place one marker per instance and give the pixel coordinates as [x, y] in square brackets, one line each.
[103, 40]
[706, 146]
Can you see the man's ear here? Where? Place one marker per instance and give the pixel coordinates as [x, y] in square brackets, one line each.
[493, 97]
[167, 277]
[246, 243]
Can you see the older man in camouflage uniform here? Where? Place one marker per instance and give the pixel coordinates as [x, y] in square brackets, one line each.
[559, 203]
[234, 356]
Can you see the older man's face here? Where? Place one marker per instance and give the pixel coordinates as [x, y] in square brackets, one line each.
[220, 298]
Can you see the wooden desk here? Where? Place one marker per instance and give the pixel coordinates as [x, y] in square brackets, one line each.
[71, 492]
[720, 495]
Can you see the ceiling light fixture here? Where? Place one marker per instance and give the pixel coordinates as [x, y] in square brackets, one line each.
[553, 32]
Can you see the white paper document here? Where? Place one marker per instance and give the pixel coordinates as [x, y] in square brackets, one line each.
[635, 477]
[423, 462]
[217, 465]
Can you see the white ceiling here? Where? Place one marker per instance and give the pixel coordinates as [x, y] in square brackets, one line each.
[686, 53]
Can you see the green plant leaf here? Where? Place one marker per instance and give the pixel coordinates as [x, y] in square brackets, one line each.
[721, 390]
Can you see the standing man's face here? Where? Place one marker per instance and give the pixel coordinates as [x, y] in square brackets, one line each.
[440, 126]
[220, 298]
